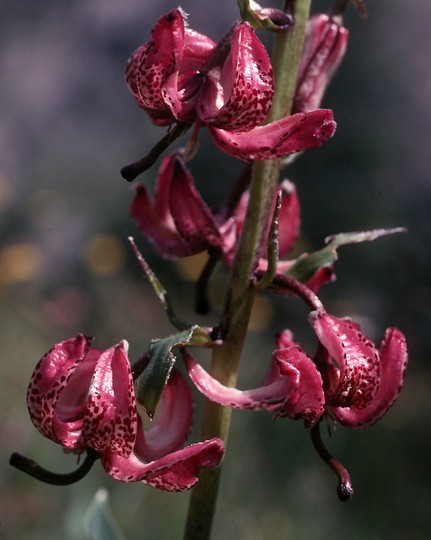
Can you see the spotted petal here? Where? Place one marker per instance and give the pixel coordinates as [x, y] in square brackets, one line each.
[357, 359]
[393, 355]
[49, 379]
[239, 95]
[177, 471]
[277, 139]
[110, 422]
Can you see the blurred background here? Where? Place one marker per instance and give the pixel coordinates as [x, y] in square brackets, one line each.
[67, 126]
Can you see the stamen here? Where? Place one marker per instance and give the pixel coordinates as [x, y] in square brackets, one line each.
[30, 467]
[344, 489]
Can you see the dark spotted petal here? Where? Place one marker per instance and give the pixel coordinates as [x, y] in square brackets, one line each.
[356, 357]
[49, 380]
[177, 471]
[151, 64]
[240, 95]
[277, 139]
[393, 355]
[110, 423]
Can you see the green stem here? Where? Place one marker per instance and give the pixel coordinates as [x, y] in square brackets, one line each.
[241, 292]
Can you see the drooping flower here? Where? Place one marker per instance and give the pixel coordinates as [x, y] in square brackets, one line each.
[324, 48]
[181, 76]
[83, 398]
[361, 382]
[355, 380]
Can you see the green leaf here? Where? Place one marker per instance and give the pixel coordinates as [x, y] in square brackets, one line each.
[100, 523]
[308, 264]
[151, 383]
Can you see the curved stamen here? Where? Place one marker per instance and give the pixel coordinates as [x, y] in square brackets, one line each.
[32, 468]
[344, 488]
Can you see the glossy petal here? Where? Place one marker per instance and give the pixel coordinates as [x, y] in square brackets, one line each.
[110, 422]
[193, 219]
[324, 48]
[308, 400]
[177, 471]
[173, 423]
[277, 139]
[289, 219]
[171, 58]
[49, 379]
[264, 397]
[393, 355]
[154, 217]
[239, 95]
[356, 357]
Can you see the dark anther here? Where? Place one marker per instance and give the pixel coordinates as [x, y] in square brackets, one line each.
[133, 170]
[30, 467]
[345, 488]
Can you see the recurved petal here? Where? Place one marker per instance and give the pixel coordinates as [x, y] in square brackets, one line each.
[173, 422]
[193, 219]
[110, 423]
[308, 399]
[267, 396]
[49, 379]
[277, 139]
[177, 471]
[394, 358]
[356, 356]
[151, 64]
[239, 96]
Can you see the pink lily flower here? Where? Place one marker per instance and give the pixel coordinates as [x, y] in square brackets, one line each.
[361, 382]
[324, 48]
[359, 385]
[83, 398]
[183, 76]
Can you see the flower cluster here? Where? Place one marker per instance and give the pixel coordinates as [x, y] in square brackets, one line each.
[86, 399]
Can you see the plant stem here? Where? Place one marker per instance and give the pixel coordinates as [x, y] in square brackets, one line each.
[241, 292]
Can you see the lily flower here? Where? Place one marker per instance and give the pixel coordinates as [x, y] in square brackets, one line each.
[83, 398]
[324, 48]
[355, 380]
[361, 382]
[181, 76]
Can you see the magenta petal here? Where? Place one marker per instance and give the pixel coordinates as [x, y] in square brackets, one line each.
[324, 48]
[308, 399]
[277, 139]
[240, 95]
[393, 354]
[154, 218]
[173, 422]
[264, 397]
[110, 422]
[177, 471]
[194, 220]
[356, 356]
[151, 64]
[49, 379]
